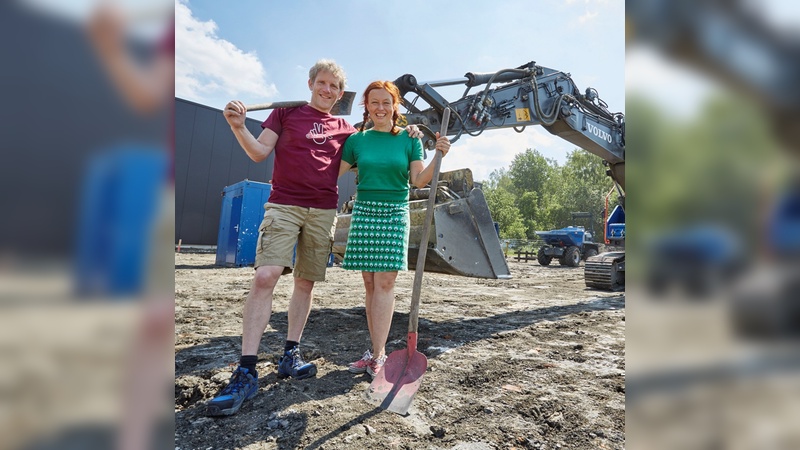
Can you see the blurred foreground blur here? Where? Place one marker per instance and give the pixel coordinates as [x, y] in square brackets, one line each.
[713, 310]
[76, 267]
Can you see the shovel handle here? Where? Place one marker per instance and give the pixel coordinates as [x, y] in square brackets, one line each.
[273, 105]
[413, 316]
[342, 107]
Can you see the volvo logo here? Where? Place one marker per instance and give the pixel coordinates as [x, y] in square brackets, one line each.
[599, 133]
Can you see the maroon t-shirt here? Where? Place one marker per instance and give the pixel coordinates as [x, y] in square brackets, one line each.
[307, 156]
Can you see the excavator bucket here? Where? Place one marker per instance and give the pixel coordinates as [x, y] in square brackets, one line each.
[463, 239]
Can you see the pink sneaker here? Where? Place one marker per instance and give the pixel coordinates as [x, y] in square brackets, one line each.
[361, 365]
[376, 365]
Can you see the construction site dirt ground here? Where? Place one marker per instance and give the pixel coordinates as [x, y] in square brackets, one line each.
[534, 362]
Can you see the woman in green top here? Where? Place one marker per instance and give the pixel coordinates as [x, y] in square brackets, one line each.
[388, 159]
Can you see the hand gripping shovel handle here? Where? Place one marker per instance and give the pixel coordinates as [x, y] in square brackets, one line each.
[413, 315]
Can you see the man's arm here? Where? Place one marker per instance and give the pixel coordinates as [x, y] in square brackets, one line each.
[414, 131]
[257, 149]
[145, 86]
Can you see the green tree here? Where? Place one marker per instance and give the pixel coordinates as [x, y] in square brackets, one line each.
[499, 178]
[530, 175]
[530, 172]
[535, 193]
[506, 214]
[531, 207]
[582, 187]
[502, 205]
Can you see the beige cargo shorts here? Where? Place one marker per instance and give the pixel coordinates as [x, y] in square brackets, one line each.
[312, 229]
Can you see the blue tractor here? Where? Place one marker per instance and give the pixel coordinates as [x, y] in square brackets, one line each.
[569, 244]
[700, 258]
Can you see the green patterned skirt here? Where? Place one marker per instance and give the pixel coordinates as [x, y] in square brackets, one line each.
[378, 238]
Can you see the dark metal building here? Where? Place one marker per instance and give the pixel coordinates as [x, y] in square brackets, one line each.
[207, 159]
[60, 112]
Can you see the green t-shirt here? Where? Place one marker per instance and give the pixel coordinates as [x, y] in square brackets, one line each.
[383, 161]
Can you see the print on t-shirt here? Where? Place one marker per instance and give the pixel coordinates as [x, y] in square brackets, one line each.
[317, 134]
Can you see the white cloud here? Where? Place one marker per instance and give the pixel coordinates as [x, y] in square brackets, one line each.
[495, 149]
[207, 65]
[605, 2]
[597, 2]
[587, 17]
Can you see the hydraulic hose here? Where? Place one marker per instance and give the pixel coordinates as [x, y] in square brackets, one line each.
[547, 119]
[476, 79]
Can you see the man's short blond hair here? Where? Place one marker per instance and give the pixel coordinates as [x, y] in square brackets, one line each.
[330, 66]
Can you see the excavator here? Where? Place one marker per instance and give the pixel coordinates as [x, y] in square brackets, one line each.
[463, 239]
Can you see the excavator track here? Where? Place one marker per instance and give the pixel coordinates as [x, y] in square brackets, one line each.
[606, 271]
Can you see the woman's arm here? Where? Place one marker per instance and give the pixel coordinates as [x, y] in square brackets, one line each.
[420, 177]
[344, 167]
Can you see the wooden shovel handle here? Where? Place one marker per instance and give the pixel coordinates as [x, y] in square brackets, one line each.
[413, 315]
[342, 107]
[273, 105]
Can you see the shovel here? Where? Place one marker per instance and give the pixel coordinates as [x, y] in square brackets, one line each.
[342, 106]
[396, 384]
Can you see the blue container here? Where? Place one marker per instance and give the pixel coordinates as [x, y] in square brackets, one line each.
[118, 209]
[615, 226]
[242, 213]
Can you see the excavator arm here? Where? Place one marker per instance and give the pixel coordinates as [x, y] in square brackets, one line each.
[516, 98]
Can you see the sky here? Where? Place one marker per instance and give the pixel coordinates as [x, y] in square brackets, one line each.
[257, 51]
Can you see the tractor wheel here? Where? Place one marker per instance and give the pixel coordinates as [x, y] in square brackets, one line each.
[542, 258]
[572, 257]
[589, 253]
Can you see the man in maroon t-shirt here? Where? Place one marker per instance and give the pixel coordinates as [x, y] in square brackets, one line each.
[307, 142]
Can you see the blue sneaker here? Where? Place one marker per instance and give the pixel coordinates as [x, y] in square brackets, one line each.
[292, 365]
[242, 386]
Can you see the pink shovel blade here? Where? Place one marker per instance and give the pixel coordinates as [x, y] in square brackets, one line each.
[396, 384]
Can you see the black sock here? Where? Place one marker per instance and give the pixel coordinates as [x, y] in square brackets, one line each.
[249, 362]
[290, 345]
